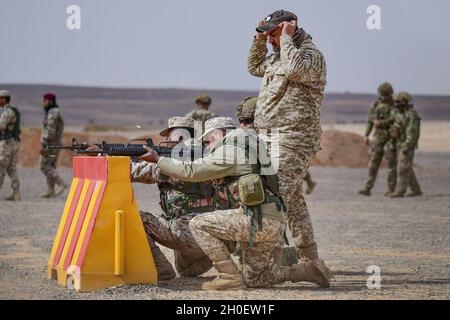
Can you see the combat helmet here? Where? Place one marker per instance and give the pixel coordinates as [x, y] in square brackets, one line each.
[246, 109]
[385, 89]
[403, 97]
[205, 99]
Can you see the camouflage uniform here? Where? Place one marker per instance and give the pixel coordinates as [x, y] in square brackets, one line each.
[382, 144]
[52, 133]
[172, 229]
[9, 149]
[291, 93]
[407, 130]
[201, 114]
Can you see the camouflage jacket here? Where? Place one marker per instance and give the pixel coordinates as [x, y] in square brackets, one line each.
[200, 115]
[52, 127]
[384, 113]
[177, 197]
[292, 88]
[7, 121]
[407, 124]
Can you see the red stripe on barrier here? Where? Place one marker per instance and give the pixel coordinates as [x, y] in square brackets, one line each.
[80, 221]
[102, 171]
[73, 206]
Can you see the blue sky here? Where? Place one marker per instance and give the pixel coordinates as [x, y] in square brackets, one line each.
[204, 43]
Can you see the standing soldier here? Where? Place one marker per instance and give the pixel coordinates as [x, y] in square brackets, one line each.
[9, 143]
[406, 130]
[288, 109]
[52, 132]
[202, 112]
[257, 217]
[381, 117]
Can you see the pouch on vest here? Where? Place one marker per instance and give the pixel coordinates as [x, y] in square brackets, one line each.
[251, 190]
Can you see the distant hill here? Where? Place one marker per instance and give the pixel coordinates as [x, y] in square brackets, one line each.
[151, 107]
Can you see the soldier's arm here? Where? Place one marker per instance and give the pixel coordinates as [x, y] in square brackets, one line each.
[216, 165]
[7, 117]
[257, 58]
[411, 132]
[305, 64]
[370, 119]
[144, 172]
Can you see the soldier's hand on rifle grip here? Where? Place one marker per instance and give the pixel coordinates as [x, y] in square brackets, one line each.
[150, 156]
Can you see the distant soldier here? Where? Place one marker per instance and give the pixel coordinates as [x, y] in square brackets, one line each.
[381, 117]
[9, 143]
[52, 133]
[406, 130]
[309, 183]
[202, 112]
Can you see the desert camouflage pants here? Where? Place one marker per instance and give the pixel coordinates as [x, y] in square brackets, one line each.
[377, 151]
[406, 175]
[190, 261]
[292, 158]
[47, 164]
[9, 156]
[258, 270]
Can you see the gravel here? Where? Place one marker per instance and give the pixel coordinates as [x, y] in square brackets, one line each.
[407, 238]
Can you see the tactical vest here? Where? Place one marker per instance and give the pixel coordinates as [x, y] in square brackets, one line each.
[182, 197]
[12, 130]
[228, 193]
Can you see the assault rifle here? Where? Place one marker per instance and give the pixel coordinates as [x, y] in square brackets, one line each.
[132, 150]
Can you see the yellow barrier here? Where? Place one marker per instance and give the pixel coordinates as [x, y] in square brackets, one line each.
[100, 240]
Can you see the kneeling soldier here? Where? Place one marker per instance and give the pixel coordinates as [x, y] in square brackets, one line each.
[257, 217]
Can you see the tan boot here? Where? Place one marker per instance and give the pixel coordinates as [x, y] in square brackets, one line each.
[364, 192]
[397, 195]
[388, 193]
[229, 277]
[310, 187]
[313, 271]
[414, 194]
[62, 186]
[15, 196]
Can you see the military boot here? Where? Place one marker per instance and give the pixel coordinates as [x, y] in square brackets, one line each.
[397, 194]
[61, 185]
[310, 187]
[414, 194]
[365, 192]
[312, 271]
[50, 192]
[388, 193]
[15, 196]
[229, 277]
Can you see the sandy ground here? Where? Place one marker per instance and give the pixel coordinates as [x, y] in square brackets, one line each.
[409, 239]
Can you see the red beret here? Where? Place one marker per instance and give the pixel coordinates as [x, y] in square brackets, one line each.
[49, 96]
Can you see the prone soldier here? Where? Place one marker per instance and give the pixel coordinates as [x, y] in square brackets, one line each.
[52, 133]
[406, 130]
[9, 144]
[381, 117]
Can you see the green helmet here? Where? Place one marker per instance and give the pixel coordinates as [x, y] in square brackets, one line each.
[246, 109]
[385, 89]
[403, 97]
[203, 99]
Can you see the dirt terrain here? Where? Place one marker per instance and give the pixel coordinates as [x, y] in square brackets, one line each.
[409, 239]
